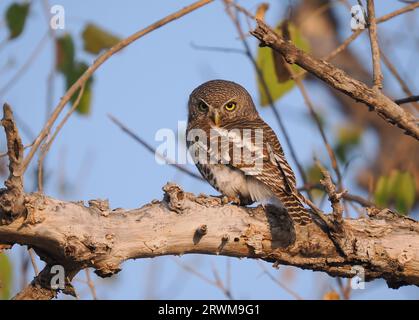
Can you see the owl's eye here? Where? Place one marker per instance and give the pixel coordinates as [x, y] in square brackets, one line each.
[230, 106]
[202, 106]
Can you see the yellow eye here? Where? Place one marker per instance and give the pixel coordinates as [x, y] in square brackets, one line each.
[202, 107]
[230, 106]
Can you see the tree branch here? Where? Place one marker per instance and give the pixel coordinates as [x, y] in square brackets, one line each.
[11, 199]
[375, 49]
[149, 148]
[339, 80]
[78, 236]
[407, 100]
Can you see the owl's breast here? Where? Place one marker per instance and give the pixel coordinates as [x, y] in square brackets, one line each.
[227, 180]
[232, 182]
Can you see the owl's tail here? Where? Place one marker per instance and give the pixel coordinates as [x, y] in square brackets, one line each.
[296, 210]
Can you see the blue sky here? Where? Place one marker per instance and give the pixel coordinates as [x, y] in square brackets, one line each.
[146, 86]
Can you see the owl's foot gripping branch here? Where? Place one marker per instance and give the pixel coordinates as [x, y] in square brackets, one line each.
[75, 236]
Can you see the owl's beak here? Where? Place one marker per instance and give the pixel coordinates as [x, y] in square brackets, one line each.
[215, 117]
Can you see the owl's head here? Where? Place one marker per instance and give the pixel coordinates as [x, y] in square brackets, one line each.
[220, 102]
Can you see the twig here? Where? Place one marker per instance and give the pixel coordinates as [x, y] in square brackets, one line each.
[279, 283]
[98, 62]
[240, 8]
[26, 129]
[334, 197]
[90, 284]
[407, 100]
[219, 283]
[50, 81]
[33, 261]
[4, 154]
[375, 49]
[358, 199]
[45, 148]
[217, 49]
[347, 196]
[228, 274]
[152, 150]
[398, 12]
[25, 66]
[355, 35]
[216, 283]
[396, 75]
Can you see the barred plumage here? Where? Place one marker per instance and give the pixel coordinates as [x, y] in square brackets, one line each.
[232, 175]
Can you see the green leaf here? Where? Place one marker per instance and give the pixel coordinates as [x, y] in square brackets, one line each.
[272, 76]
[405, 192]
[6, 275]
[382, 191]
[85, 102]
[348, 138]
[71, 77]
[314, 175]
[73, 70]
[16, 15]
[397, 188]
[65, 53]
[96, 39]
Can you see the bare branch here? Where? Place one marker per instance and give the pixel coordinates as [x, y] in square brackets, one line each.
[407, 100]
[90, 284]
[339, 80]
[334, 197]
[33, 261]
[375, 49]
[103, 239]
[45, 148]
[358, 32]
[152, 150]
[11, 200]
[32, 57]
[347, 196]
[279, 282]
[399, 79]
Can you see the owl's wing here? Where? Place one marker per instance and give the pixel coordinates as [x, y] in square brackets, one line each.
[277, 157]
[275, 172]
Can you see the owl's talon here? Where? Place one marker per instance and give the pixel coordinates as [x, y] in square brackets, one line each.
[234, 200]
[224, 200]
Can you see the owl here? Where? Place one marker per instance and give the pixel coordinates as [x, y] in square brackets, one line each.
[237, 152]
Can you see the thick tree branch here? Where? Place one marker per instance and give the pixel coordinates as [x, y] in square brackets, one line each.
[339, 80]
[78, 236]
